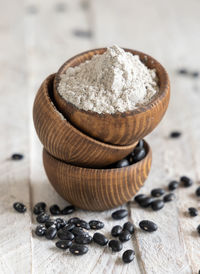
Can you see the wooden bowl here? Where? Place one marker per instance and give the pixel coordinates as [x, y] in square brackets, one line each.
[120, 128]
[96, 189]
[64, 141]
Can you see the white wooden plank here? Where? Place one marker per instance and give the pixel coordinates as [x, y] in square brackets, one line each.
[15, 236]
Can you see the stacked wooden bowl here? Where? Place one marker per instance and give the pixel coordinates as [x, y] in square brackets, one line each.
[80, 145]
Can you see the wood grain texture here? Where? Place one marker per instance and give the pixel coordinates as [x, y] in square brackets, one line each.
[97, 189]
[119, 128]
[64, 141]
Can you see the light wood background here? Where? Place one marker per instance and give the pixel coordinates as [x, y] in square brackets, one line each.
[36, 37]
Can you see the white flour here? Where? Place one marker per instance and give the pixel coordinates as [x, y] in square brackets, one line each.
[108, 83]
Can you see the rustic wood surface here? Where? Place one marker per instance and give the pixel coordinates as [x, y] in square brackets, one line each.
[36, 38]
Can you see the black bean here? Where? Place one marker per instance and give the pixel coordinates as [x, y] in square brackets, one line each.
[69, 227]
[115, 245]
[139, 197]
[83, 239]
[146, 202]
[100, 239]
[157, 205]
[128, 256]
[119, 214]
[17, 156]
[140, 144]
[39, 208]
[55, 210]
[183, 71]
[50, 233]
[68, 210]
[77, 249]
[173, 185]
[193, 211]
[63, 244]
[198, 191]
[138, 154]
[175, 134]
[148, 225]
[50, 223]
[40, 230]
[122, 163]
[124, 236]
[95, 224]
[60, 223]
[65, 235]
[83, 224]
[42, 218]
[74, 220]
[19, 207]
[169, 197]
[198, 229]
[195, 74]
[116, 230]
[78, 231]
[187, 182]
[157, 192]
[129, 226]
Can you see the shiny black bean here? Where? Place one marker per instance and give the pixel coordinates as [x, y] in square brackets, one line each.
[65, 235]
[69, 227]
[68, 210]
[186, 181]
[119, 214]
[42, 218]
[74, 220]
[50, 233]
[39, 208]
[157, 204]
[128, 256]
[175, 134]
[100, 239]
[148, 226]
[60, 223]
[17, 156]
[139, 197]
[173, 185]
[83, 239]
[19, 207]
[95, 224]
[50, 223]
[169, 197]
[115, 245]
[116, 230]
[138, 154]
[193, 211]
[64, 244]
[78, 231]
[157, 192]
[83, 224]
[140, 144]
[129, 226]
[124, 236]
[40, 230]
[77, 249]
[198, 192]
[122, 163]
[146, 202]
[55, 210]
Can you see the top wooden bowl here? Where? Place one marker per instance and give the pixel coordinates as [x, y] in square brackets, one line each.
[64, 141]
[119, 128]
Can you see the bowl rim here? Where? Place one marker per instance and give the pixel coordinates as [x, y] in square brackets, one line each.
[156, 99]
[98, 170]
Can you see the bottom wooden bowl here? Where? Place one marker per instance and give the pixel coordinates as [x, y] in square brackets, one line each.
[96, 189]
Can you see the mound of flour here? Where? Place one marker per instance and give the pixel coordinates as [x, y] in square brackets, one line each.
[108, 83]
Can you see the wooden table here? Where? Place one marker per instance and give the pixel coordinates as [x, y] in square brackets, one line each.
[36, 38]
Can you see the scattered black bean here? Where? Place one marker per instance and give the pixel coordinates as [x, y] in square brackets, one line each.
[69, 227]
[124, 236]
[83, 224]
[122, 163]
[148, 226]
[60, 223]
[40, 230]
[65, 235]
[198, 191]
[157, 205]
[146, 202]
[175, 134]
[63, 244]
[42, 218]
[83, 239]
[50, 233]
[193, 211]
[187, 182]
[50, 223]
[195, 74]
[140, 144]
[183, 71]
[55, 210]
[139, 197]
[169, 197]
[78, 231]
[173, 185]
[17, 156]
[19, 207]
[137, 155]
[95, 224]
[119, 214]
[198, 229]
[77, 249]
[74, 220]
[115, 245]
[129, 226]
[128, 256]
[100, 239]
[68, 210]
[39, 208]
[116, 230]
[157, 192]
